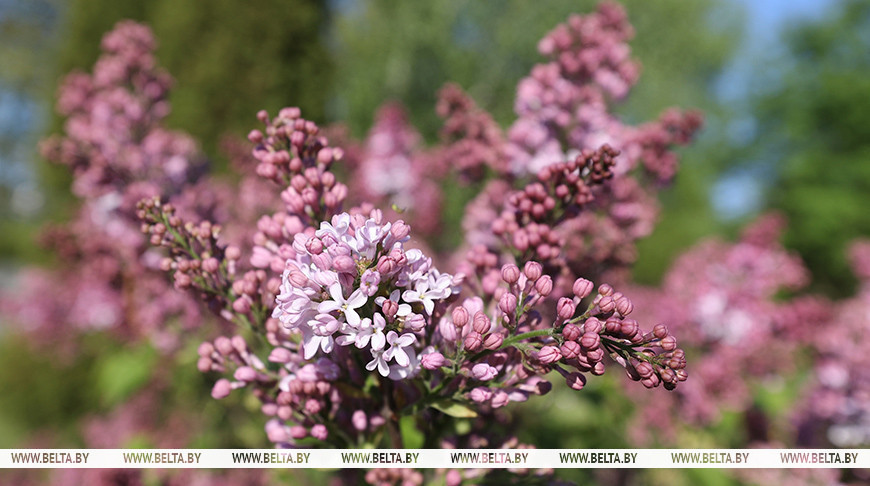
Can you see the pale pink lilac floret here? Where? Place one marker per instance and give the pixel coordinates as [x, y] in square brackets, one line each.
[329, 283]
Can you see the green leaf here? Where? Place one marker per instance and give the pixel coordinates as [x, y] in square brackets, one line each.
[412, 437]
[121, 374]
[454, 409]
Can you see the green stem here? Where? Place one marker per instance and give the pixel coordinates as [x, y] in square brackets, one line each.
[526, 335]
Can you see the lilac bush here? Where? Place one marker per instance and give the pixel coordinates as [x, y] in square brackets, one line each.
[361, 329]
[346, 324]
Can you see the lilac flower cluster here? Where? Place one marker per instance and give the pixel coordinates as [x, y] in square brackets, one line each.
[564, 109]
[836, 405]
[119, 152]
[394, 148]
[722, 299]
[353, 283]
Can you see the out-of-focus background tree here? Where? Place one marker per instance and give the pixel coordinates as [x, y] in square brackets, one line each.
[813, 133]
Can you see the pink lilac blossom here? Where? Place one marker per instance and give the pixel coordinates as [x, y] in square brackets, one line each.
[723, 301]
[119, 152]
[394, 171]
[563, 109]
[836, 405]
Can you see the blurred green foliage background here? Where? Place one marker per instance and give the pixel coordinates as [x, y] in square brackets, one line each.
[807, 109]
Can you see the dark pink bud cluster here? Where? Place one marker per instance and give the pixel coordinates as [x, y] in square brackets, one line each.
[655, 140]
[114, 135]
[604, 329]
[593, 49]
[561, 191]
[473, 140]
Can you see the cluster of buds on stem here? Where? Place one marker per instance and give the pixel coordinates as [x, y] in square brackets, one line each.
[198, 262]
[292, 153]
[560, 192]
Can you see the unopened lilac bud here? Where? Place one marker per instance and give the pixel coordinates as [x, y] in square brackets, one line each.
[390, 308]
[255, 136]
[481, 323]
[245, 373]
[298, 432]
[211, 265]
[221, 389]
[533, 271]
[508, 304]
[582, 288]
[576, 380]
[359, 420]
[242, 305]
[624, 306]
[415, 322]
[510, 273]
[521, 240]
[480, 394]
[595, 355]
[590, 340]
[281, 355]
[669, 343]
[473, 341]
[203, 364]
[314, 246]
[298, 279]
[606, 304]
[549, 355]
[629, 328]
[239, 344]
[448, 331]
[570, 349]
[612, 325]
[433, 361]
[593, 325]
[182, 280]
[565, 308]
[483, 372]
[399, 230]
[312, 406]
[644, 369]
[460, 316]
[660, 331]
[205, 349]
[598, 368]
[544, 285]
[344, 263]
[223, 345]
[319, 432]
[605, 289]
[571, 332]
[493, 341]
[386, 265]
[499, 399]
[651, 381]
